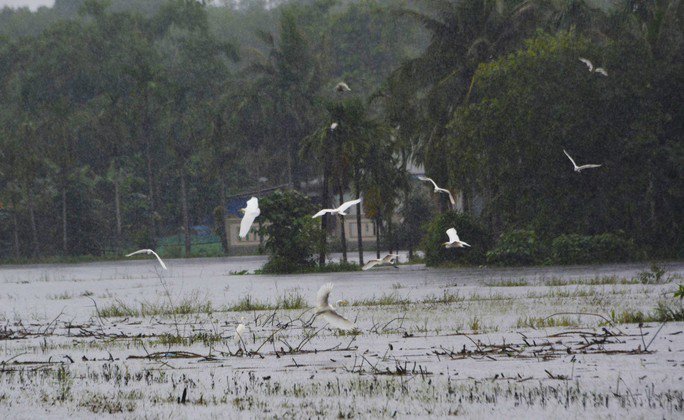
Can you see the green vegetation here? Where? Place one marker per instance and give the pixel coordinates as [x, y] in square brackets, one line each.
[469, 230]
[518, 247]
[189, 105]
[292, 233]
[384, 300]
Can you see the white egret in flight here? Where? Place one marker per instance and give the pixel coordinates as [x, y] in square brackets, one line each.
[454, 241]
[599, 70]
[387, 259]
[324, 309]
[342, 87]
[579, 169]
[340, 210]
[437, 189]
[251, 213]
[149, 252]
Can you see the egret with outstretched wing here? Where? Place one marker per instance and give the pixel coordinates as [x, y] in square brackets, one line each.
[149, 252]
[324, 309]
[387, 259]
[454, 241]
[582, 167]
[251, 212]
[438, 189]
[340, 210]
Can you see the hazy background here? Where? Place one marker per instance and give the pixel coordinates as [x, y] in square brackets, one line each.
[32, 4]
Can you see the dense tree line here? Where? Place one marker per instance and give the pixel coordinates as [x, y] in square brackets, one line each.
[125, 121]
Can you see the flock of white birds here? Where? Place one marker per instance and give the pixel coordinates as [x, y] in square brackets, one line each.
[323, 307]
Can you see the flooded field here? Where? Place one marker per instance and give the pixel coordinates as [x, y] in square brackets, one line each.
[129, 339]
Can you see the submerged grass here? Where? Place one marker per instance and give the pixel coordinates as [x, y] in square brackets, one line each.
[540, 322]
[386, 299]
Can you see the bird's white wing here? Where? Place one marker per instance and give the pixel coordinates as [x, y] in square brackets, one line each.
[252, 211]
[322, 212]
[571, 159]
[453, 236]
[588, 63]
[601, 70]
[370, 264]
[424, 178]
[252, 205]
[348, 204]
[451, 197]
[337, 320]
[588, 166]
[159, 259]
[149, 252]
[388, 258]
[323, 294]
[465, 244]
[140, 251]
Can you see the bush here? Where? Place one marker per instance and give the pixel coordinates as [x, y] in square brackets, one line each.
[469, 230]
[519, 247]
[293, 235]
[578, 249]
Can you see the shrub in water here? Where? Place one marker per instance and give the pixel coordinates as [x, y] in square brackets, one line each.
[469, 230]
[292, 234]
[606, 247]
[518, 247]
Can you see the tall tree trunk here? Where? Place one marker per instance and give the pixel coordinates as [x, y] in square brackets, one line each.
[223, 198]
[65, 244]
[186, 217]
[144, 134]
[377, 237]
[15, 228]
[359, 231]
[343, 236]
[117, 210]
[325, 200]
[35, 250]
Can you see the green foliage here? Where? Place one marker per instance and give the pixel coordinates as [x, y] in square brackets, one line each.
[679, 293]
[518, 247]
[292, 234]
[655, 275]
[469, 230]
[581, 249]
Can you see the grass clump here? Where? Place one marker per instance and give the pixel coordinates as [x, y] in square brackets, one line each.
[386, 299]
[118, 309]
[190, 305]
[247, 303]
[205, 338]
[509, 283]
[292, 300]
[446, 297]
[539, 322]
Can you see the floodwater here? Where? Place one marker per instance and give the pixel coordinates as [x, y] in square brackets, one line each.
[430, 342]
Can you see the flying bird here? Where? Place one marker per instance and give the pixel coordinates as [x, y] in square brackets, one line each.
[342, 87]
[333, 126]
[454, 241]
[599, 70]
[251, 212]
[579, 169]
[387, 259]
[340, 210]
[324, 309]
[437, 189]
[149, 252]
